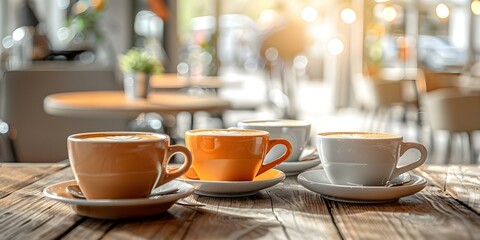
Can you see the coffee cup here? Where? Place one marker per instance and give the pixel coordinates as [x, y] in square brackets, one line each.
[297, 132]
[123, 165]
[232, 154]
[365, 158]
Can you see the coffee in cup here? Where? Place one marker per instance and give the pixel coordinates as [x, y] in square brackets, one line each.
[123, 165]
[365, 158]
[232, 154]
[297, 132]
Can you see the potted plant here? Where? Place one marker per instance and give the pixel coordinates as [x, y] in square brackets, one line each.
[137, 66]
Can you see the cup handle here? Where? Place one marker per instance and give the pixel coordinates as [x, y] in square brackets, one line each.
[403, 148]
[279, 160]
[176, 172]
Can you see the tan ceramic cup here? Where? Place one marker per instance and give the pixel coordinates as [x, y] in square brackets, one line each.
[123, 165]
[232, 154]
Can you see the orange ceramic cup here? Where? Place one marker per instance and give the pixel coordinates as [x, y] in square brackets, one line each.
[123, 165]
[232, 154]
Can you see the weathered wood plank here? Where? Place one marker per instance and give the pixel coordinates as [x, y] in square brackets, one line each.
[27, 214]
[236, 218]
[428, 214]
[435, 174]
[461, 182]
[89, 229]
[221, 218]
[172, 224]
[303, 213]
[285, 211]
[58, 220]
[16, 176]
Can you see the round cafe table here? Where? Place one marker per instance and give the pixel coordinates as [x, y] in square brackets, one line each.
[114, 104]
[171, 81]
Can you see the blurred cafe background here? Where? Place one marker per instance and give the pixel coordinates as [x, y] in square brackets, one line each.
[402, 66]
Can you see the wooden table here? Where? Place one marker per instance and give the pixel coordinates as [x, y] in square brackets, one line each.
[113, 104]
[171, 81]
[448, 208]
[469, 83]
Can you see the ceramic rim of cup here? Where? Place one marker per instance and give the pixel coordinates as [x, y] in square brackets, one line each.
[81, 137]
[208, 132]
[264, 123]
[386, 136]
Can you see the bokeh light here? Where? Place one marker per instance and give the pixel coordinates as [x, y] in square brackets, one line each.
[442, 11]
[19, 34]
[389, 14]
[335, 46]
[183, 68]
[475, 7]
[63, 4]
[63, 34]
[267, 18]
[8, 42]
[309, 14]
[348, 15]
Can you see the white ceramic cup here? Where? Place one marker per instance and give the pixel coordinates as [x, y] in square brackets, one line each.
[364, 158]
[297, 132]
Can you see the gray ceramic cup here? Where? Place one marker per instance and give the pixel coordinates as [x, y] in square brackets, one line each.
[297, 132]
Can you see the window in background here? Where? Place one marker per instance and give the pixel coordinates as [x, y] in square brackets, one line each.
[3, 18]
[443, 32]
[114, 23]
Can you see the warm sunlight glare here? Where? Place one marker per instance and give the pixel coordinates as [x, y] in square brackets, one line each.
[348, 15]
[476, 7]
[19, 34]
[389, 14]
[442, 11]
[309, 14]
[335, 46]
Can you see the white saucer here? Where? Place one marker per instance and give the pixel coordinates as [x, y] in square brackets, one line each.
[294, 168]
[121, 208]
[235, 188]
[318, 182]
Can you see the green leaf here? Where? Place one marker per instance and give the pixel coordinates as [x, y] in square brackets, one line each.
[138, 60]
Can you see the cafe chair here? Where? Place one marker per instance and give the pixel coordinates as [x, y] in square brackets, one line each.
[380, 98]
[31, 135]
[454, 111]
[428, 81]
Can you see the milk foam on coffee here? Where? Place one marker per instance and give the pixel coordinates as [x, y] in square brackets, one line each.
[274, 123]
[120, 137]
[227, 132]
[359, 135]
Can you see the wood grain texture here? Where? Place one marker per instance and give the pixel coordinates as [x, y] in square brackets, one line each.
[303, 214]
[15, 176]
[446, 209]
[461, 182]
[425, 215]
[236, 218]
[26, 213]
